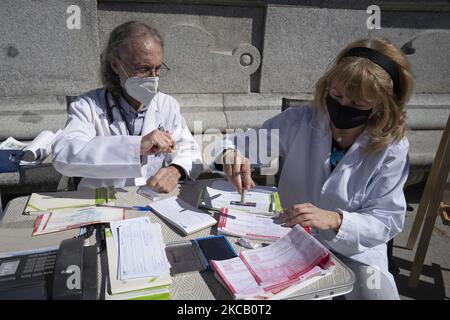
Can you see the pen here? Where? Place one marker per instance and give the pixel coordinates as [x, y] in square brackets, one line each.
[137, 208]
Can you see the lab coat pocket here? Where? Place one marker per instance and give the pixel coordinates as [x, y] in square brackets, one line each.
[357, 200]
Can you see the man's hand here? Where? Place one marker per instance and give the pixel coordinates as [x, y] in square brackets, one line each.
[237, 170]
[165, 180]
[307, 215]
[156, 142]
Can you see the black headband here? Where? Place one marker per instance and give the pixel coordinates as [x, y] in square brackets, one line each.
[380, 59]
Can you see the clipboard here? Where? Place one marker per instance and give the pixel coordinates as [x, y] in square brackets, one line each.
[214, 247]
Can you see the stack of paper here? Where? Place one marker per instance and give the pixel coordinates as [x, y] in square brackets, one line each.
[66, 219]
[137, 262]
[35, 151]
[250, 225]
[222, 194]
[182, 215]
[275, 271]
[51, 201]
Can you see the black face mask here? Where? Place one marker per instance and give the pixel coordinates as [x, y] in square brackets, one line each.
[346, 117]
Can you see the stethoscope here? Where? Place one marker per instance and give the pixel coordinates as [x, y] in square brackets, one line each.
[109, 110]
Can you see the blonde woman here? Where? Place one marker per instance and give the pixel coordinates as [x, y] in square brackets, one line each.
[345, 160]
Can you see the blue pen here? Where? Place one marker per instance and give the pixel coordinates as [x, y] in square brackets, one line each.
[137, 208]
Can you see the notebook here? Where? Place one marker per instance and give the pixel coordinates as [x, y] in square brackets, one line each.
[182, 215]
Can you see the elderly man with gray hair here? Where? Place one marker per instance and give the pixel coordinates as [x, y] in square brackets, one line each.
[128, 133]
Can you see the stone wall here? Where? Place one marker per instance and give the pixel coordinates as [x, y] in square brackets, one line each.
[231, 61]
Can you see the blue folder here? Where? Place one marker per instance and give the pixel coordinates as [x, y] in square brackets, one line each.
[9, 160]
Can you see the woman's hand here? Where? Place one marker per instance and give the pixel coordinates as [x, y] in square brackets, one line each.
[307, 215]
[237, 170]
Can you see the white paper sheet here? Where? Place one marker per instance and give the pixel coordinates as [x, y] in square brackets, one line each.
[250, 225]
[141, 249]
[12, 144]
[181, 214]
[40, 147]
[221, 193]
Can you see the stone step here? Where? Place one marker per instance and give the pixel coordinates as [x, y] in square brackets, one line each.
[423, 145]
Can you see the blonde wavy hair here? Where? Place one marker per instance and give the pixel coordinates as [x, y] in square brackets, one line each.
[363, 80]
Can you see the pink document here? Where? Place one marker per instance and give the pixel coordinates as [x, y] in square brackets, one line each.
[278, 268]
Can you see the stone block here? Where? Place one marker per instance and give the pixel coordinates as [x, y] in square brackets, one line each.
[209, 49]
[426, 38]
[251, 110]
[428, 111]
[25, 117]
[202, 111]
[41, 55]
[423, 145]
[427, 118]
[301, 42]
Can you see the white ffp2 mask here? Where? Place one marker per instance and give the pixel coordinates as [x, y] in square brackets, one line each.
[141, 89]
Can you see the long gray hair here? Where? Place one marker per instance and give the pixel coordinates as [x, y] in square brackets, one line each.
[119, 37]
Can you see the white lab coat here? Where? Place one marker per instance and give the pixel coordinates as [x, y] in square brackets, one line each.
[104, 154]
[366, 189]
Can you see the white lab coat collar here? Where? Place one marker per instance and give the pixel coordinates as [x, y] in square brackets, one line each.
[320, 121]
[355, 153]
[152, 118]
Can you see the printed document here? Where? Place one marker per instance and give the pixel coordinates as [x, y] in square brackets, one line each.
[250, 225]
[285, 261]
[221, 194]
[65, 219]
[277, 270]
[140, 247]
[118, 286]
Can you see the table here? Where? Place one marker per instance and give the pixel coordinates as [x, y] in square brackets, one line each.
[15, 234]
